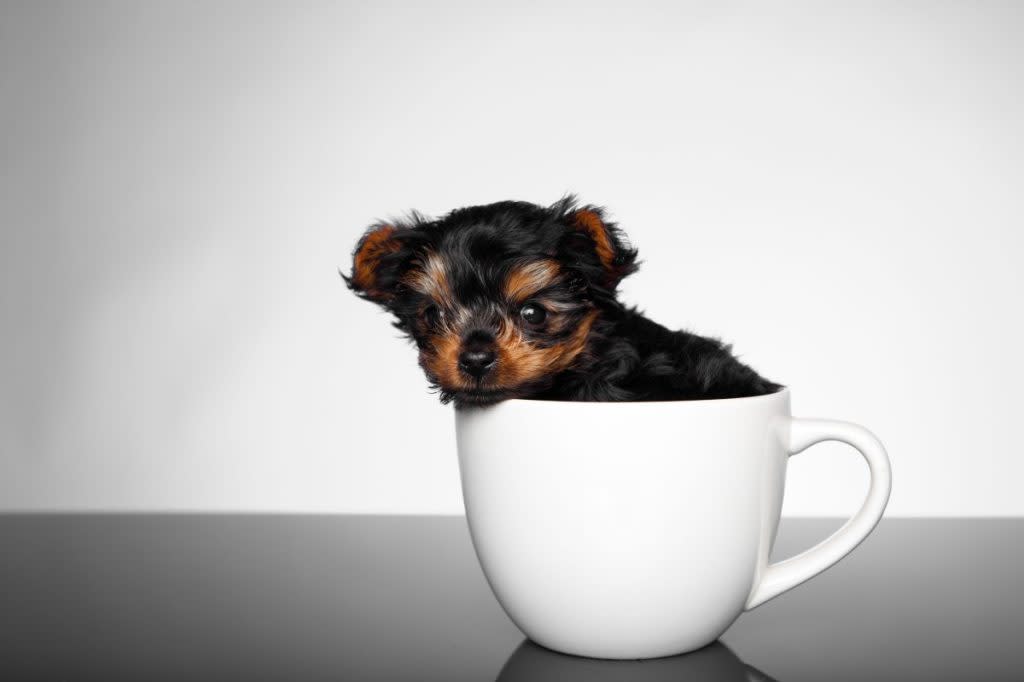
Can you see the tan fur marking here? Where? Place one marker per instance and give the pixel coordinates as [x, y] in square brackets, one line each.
[431, 279]
[589, 222]
[521, 362]
[442, 362]
[526, 280]
[374, 246]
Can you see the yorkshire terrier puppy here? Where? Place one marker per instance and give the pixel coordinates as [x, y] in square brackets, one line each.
[515, 300]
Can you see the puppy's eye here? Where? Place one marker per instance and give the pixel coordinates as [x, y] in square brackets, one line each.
[533, 314]
[433, 315]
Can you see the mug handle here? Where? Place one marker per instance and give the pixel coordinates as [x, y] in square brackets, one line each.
[785, 575]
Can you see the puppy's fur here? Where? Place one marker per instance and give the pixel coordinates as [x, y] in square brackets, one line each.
[518, 300]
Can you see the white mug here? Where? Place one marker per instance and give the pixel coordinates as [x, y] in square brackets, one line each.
[642, 529]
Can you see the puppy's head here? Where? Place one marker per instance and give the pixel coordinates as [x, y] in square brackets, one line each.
[498, 298]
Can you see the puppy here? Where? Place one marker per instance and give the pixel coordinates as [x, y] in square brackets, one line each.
[515, 300]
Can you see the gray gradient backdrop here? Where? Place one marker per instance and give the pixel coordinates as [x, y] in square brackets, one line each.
[834, 187]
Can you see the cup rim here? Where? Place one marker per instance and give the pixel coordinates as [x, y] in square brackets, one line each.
[784, 391]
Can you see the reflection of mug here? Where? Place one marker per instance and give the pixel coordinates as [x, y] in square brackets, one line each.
[635, 530]
[714, 663]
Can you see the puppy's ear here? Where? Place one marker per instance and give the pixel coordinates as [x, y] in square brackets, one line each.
[377, 263]
[597, 246]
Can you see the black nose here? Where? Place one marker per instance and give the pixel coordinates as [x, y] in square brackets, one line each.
[476, 363]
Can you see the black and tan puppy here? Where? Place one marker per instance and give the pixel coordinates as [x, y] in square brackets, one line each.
[515, 300]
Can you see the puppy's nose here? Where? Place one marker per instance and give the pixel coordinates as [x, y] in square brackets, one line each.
[476, 362]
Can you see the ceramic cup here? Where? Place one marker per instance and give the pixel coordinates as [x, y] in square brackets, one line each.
[639, 530]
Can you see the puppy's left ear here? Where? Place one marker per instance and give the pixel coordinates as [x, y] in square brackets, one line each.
[598, 246]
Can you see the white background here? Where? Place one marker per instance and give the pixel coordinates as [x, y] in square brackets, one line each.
[836, 189]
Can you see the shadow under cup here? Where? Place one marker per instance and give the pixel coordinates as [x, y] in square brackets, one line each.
[641, 530]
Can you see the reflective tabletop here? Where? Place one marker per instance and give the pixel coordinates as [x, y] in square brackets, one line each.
[289, 598]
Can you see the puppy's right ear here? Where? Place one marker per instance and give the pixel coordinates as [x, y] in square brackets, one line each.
[377, 263]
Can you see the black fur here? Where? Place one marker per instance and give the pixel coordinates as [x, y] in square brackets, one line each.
[637, 359]
[627, 357]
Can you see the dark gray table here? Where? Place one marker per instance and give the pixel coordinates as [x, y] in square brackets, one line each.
[289, 598]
